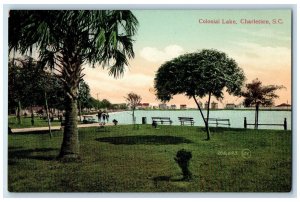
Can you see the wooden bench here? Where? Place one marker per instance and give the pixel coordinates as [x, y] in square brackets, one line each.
[218, 121]
[161, 120]
[186, 119]
[88, 119]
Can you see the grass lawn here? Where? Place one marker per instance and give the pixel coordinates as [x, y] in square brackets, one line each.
[123, 159]
[26, 122]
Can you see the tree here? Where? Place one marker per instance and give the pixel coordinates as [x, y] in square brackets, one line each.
[133, 100]
[256, 94]
[199, 74]
[65, 41]
[83, 96]
[28, 83]
[105, 104]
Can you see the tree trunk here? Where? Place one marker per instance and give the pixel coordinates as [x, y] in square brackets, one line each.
[19, 113]
[79, 106]
[207, 118]
[205, 121]
[70, 145]
[32, 116]
[256, 115]
[48, 116]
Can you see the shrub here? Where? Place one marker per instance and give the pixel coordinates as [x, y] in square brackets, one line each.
[182, 158]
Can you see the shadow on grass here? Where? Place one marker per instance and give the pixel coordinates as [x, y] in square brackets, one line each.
[28, 154]
[144, 139]
[221, 129]
[41, 132]
[158, 179]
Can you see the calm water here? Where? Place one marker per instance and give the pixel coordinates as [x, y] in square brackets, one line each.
[236, 117]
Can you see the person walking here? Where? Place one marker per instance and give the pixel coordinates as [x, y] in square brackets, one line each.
[107, 117]
[104, 117]
[99, 116]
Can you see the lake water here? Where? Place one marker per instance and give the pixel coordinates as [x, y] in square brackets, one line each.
[236, 117]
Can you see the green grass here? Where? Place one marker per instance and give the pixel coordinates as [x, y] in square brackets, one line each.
[123, 159]
[26, 122]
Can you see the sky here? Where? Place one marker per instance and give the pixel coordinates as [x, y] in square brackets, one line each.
[263, 51]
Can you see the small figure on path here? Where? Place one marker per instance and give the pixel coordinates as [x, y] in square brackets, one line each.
[104, 117]
[99, 116]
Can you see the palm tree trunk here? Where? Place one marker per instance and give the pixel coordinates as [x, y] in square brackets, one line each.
[71, 78]
[70, 145]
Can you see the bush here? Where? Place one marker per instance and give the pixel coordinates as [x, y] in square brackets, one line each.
[182, 158]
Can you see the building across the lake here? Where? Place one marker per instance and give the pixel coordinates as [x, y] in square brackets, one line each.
[144, 106]
[200, 104]
[284, 106]
[230, 106]
[163, 106]
[206, 105]
[173, 106]
[183, 106]
[214, 105]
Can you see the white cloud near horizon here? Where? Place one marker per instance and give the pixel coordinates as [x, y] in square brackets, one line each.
[267, 34]
[115, 89]
[262, 57]
[153, 54]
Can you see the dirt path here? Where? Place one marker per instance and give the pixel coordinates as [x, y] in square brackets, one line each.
[54, 128]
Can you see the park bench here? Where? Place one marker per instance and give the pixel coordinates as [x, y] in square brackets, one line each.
[219, 122]
[186, 119]
[88, 119]
[161, 120]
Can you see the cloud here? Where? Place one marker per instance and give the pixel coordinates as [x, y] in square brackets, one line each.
[153, 54]
[115, 89]
[267, 34]
[262, 57]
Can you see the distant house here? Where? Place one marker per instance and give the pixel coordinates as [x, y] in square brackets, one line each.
[284, 106]
[143, 106]
[162, 106]
[206, 106]
[230, 106]
[183, 106]
[173, 106]
[214, 105]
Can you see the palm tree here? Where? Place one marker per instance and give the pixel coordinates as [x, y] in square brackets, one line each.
[256, 94]
[65, 41]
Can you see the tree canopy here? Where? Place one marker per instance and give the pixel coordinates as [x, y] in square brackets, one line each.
[204, 73]
[133, 100]
[256, 93]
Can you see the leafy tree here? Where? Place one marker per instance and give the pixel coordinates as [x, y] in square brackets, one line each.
[83, 97]
[256, 94]
[199, 74]
[133, 100]
[30, 85]
[65, 40]
[105, 104]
